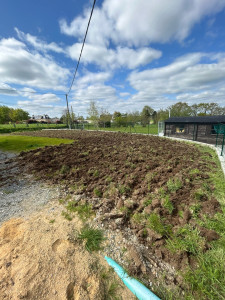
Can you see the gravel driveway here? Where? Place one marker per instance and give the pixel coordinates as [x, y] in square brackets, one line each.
[19, 194]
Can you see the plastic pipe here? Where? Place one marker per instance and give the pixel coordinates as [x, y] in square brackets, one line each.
[137, 288]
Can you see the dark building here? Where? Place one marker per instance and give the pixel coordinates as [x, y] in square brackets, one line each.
[203, 129]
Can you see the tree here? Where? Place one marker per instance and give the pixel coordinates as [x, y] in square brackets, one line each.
[4, 114]
[8, 114]
[93, 112]
[162, 115]
[18, 115]
[207, 109]
[133, 117]
[72, 115]
[146, 114]
[65, 117]
[105, 119]
[180, 109]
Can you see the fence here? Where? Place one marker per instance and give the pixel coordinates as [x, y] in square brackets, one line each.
[220, 138]
[129, 127]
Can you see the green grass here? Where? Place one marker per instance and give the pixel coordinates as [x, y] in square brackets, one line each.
[158, 225]
[153, 128]
[7, 128]
[93, 238]
[18, 143]
[186, 239]
[84, 210]
[174, 184]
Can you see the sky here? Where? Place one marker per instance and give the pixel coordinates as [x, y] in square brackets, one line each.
[137, 53]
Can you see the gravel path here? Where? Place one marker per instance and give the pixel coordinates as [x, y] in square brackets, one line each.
[19, 194]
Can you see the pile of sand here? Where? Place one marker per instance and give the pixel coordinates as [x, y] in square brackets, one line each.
[38, 260]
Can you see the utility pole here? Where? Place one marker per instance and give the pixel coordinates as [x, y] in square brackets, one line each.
[68, 112]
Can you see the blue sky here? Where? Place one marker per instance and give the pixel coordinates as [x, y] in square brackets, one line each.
[137, 53]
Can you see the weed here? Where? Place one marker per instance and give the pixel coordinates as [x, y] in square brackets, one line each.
[199, 194]
[123, 189]
[97, 192]
[174, 184]
[64, 169]
[194, 171]
[108, 179]
[161, 192]
[112, 290]
[78, 188]
[126, 211]
[168, 204]
[52, 221]
[195, 209]
[155, 223]
[96, 173]
[84, 153]
[138, 218]
[149, 176]
[67, 216]
[147, 200]
[62, 201]
[75, 169]
[93, 238]
[181, 214]
[84, 210]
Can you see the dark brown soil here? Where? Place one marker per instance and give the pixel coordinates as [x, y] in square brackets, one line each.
[133, 175]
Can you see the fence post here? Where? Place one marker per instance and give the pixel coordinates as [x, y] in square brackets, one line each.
[223, 144]
[148, 128]
[217, 135]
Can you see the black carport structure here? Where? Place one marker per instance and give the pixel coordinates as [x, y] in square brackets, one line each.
[206, 129]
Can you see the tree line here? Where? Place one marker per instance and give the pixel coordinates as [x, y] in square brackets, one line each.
[13, 115]
[148, 114]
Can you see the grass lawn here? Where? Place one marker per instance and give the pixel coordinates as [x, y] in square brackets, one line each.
[152, 129]
[7, 128]
[25, 143]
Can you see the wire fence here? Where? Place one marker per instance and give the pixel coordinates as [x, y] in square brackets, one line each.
[220, 138]
[129, 127]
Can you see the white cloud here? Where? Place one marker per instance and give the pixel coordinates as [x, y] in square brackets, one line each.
[109, 58]
[39, 98]
[37, 43]
[40, 109]
[6, 89]
[100, 29]
[125, 94]
[140, 22]
[90, 78]
[187, 79]
[20, 66]
[184, 74]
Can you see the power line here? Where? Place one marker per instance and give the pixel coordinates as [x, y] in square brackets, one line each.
[82, 48]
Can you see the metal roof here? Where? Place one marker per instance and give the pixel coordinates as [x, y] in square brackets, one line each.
[202, 119]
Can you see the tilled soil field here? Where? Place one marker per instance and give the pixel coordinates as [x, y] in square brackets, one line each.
[157, 187]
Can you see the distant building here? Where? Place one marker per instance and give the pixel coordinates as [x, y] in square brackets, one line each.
[203, 129]
[44, 119]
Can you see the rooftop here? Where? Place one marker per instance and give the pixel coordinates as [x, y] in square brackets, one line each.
[202, 119]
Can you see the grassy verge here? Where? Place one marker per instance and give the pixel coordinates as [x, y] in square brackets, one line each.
[26, 143]
[207, 280]
[8, 128]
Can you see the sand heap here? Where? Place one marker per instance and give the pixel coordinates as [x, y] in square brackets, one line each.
[38, 260]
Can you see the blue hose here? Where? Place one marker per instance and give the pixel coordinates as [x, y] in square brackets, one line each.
[137, 288]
